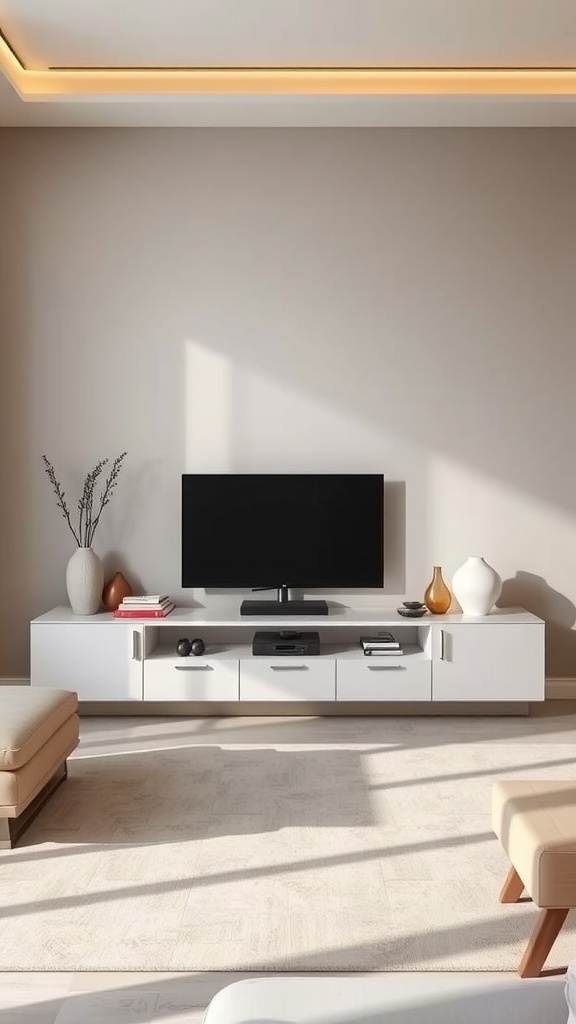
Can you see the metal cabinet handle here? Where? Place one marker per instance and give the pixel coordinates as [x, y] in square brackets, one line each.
[194, 668]
[289, 668]
[386, 668]
[135, 645]
[442, 656]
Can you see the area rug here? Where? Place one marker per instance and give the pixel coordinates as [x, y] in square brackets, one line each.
[331, 854]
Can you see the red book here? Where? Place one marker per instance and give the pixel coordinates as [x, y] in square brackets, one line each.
[147, 613]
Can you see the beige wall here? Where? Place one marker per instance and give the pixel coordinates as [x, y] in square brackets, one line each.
[387, 300]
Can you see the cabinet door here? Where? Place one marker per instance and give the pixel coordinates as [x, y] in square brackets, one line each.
[100, 662]
[488, 662]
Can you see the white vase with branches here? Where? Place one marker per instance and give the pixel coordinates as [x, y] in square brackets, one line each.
[85, 571]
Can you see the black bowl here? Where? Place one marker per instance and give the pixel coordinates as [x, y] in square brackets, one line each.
[413, 604]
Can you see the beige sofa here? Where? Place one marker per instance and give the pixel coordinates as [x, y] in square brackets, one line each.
[38, 730]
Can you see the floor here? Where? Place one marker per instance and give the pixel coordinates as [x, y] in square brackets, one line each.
[69, 998]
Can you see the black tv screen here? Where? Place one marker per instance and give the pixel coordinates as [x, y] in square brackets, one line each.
[267, 530]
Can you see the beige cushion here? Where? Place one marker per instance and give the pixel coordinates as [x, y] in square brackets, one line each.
[536, 824]
[28, 718]
[19, 787]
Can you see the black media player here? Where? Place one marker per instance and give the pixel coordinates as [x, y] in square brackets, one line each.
[286, 642]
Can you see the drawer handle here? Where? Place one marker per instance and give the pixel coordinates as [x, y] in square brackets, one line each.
[289, 668]
[386, 668]
[194, 668]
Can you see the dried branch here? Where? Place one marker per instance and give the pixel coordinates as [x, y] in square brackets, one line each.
[87, 521]
[109, 486]
[60, 496]
[87, 499]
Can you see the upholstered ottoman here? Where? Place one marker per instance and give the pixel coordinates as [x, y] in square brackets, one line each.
[38, 730]
[536, 824]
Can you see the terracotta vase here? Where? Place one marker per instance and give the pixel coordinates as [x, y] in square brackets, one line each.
[115, 591]
[437, 597]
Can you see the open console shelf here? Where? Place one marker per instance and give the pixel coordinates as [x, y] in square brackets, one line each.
[450, 658]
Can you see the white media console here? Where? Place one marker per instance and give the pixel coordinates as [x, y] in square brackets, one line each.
[499, 657]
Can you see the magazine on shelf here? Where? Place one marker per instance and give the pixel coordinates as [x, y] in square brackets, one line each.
[380, 647]
[385, 640]
[146, 604]
[382, 653]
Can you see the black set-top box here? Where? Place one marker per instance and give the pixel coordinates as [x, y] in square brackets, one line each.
[286, 642]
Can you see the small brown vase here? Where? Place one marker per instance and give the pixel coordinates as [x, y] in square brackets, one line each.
[437, 597]
[115, 590]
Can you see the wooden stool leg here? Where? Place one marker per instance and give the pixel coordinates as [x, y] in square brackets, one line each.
[541, 942]
[513, 887]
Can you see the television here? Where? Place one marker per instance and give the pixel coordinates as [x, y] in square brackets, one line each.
[278, 531]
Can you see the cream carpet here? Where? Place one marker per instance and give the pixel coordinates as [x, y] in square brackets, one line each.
[325, 844]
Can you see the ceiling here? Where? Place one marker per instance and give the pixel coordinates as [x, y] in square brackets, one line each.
[288, 62]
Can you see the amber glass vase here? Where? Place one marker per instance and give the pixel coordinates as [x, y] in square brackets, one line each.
[437, 597]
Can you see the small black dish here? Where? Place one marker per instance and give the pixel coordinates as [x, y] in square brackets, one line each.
[412, 613]
[413, 604]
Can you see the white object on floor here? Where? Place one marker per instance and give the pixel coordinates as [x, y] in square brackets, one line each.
[390, 999]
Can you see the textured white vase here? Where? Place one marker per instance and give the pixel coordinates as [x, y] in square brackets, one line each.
[476, 586]
[85, 581]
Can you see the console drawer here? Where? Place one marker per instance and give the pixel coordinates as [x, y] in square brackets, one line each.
[286, 678]
[387, 678]
[191, 679]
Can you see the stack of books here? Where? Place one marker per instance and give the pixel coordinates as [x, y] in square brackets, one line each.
[382, 644]
[145, 606]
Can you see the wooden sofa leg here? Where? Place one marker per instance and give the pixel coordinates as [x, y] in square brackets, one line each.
[12, 828]
[513, 887]
[541, 941]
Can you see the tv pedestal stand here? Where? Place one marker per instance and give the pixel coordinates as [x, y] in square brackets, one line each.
[282, 605]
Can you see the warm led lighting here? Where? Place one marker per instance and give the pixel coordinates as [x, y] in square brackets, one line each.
[11, 66]
[295, 82]
[68, 83]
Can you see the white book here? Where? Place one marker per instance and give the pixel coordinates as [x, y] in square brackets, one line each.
[146, 607]
[146, 599]
[375, 653]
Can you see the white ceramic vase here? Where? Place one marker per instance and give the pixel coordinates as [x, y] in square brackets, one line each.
[85, 581]
[476, 586]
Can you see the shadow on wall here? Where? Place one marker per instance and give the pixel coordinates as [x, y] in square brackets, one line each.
[533, 593]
